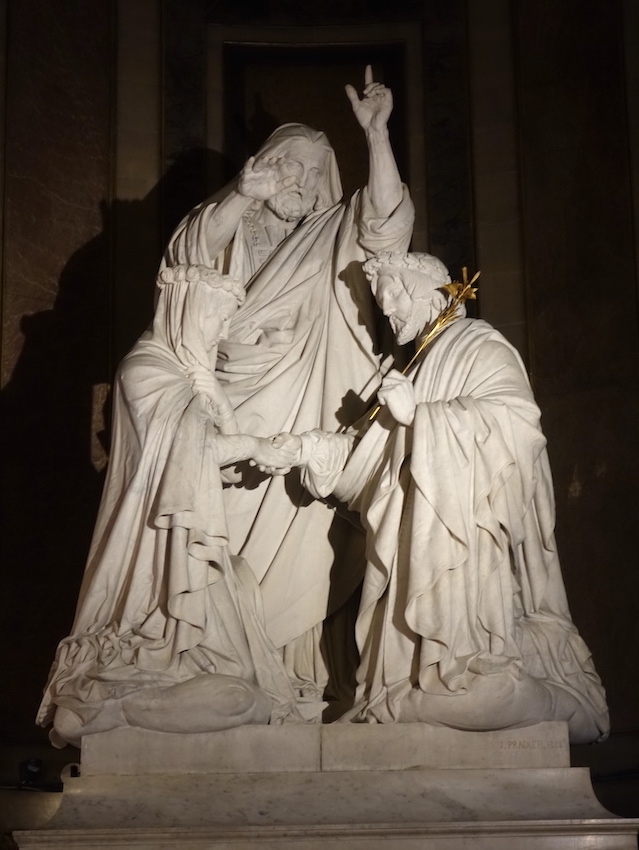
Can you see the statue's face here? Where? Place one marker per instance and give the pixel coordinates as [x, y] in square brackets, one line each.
[407, 317]
[216, 324]
[305, 162]
[395, 303]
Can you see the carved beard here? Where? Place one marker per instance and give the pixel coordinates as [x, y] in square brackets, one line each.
[406, 331]
[291, 205]
[423, 312]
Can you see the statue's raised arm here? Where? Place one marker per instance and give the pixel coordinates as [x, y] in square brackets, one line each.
[372, 112]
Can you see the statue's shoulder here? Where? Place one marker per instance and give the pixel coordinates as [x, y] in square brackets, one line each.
[480, 336]
[469, 338]
[483, 331]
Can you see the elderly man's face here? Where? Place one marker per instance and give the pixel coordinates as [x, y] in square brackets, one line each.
[305, 162]
[407, 318]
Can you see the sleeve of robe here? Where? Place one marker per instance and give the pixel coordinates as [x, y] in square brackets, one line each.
[323, 458]
[194, 239]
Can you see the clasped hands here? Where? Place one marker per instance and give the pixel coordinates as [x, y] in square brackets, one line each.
[277, 455]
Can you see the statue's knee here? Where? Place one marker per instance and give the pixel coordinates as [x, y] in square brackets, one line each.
[246, 701]
[67, 726]
[239, 695]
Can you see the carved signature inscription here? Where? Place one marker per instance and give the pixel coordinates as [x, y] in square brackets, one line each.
[532, 744]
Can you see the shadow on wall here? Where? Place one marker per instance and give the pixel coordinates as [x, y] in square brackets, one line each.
[55, 429]
[51, 488]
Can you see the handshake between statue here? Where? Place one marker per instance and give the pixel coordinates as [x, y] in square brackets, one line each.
[278, 454]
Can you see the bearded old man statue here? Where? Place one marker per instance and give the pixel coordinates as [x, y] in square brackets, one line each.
[301, 352]
[463, 619]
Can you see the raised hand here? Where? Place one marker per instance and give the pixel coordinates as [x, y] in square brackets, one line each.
[397, 393]
[374, 109]
[262, 179]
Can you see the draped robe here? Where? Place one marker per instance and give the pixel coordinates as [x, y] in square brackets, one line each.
[163, 600]
[463, 578]
[301, 354]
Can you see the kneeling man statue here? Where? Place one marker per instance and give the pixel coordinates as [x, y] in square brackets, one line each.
[463, 620]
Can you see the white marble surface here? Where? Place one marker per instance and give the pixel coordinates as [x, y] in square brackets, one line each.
[344, 797]
[408, 746]
[463, 620]
[443, 809]
[315, 747]
[248, 749]
[339, 786]
[201, 392]
[463, 836]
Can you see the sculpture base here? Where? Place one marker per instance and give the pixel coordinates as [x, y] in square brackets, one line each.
[403, 786]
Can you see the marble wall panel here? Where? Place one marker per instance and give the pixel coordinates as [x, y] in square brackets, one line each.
[137, 243]
[55, 354]
[260, 77]
[445, 152]
[495, 160]
[186, 159]
[593, 451]
[582, 318]
[578, 228]
[3, 87]
[631, 45]
[189, 164]
[448, 143]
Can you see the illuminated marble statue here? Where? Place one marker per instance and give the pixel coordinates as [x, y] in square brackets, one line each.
[301, 353]
[463, 619]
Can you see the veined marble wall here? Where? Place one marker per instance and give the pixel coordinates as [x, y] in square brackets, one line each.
[56, 318]
[581, 279]
[526, 175]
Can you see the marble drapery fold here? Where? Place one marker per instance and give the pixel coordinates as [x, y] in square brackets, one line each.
[463, 581]
[163, 600]
[301, 354]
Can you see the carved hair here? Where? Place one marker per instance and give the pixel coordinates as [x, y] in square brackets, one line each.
[427, 264]
[202, 274]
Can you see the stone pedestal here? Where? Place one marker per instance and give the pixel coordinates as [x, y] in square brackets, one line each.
[403, 786]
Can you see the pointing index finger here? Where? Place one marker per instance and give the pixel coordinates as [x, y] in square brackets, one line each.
[368, 75]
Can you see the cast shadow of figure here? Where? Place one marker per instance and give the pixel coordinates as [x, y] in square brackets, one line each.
[53, 468]
[51, 488]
